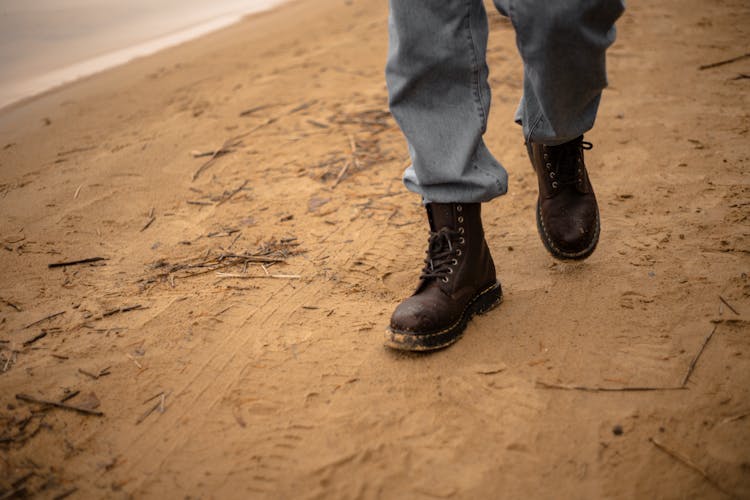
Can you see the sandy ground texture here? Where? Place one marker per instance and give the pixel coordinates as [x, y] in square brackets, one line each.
[230, 345]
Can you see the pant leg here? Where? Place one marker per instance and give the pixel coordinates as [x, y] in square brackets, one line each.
[438, 93]
[563, 45]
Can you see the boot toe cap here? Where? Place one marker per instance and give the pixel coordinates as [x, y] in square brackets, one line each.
[415, 316]
[573, 229]
[575, 236]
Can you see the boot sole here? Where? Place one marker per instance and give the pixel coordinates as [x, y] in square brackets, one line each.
[556, 252]
[484, 301]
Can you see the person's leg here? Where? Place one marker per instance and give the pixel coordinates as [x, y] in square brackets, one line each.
[438, 93]
[437, 82]
[563, 45]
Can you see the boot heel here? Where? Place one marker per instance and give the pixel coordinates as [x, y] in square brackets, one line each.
[489, 299]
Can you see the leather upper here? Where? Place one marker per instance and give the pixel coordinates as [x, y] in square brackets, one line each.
[457, 267]
[568, 212]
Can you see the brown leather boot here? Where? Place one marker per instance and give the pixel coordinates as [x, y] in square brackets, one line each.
[567, 215]
[458, 281]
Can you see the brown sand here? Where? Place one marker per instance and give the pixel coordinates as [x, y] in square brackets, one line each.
[280, 387]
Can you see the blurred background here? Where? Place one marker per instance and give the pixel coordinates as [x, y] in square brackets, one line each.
[45, 43]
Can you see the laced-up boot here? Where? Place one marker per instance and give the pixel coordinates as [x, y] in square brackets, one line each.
[458, 281]
[567, 215]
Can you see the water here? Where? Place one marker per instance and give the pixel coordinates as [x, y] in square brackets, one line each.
[45, 43]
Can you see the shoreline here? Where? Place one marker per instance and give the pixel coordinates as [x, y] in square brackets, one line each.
[20, 92]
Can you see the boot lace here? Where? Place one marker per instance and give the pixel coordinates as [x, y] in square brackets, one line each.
[442, 251]
[564, 163]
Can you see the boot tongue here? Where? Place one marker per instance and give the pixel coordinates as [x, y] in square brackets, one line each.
[441, 215]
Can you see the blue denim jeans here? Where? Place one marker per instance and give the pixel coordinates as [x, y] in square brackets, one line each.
[439, 95]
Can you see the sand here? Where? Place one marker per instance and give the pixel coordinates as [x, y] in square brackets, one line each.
[277, 385]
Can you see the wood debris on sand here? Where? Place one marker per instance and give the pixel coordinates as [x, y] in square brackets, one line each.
[270, 253]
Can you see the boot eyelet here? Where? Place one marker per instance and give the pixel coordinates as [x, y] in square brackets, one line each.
[454, 262]
[445, 279]
[459, 252]
[461, 240]
[548, 165]
[450, 270]
[460, 230]
[554, 185]
[552, 175]
[546, 156]
[460, 220]
[459, 208]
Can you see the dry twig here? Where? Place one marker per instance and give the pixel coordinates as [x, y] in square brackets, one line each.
[31, 399]
[120, 310]
[70, 395]
[239, 233]
[342, 173]
[728, 305]
[545, 385]
[318, 124]
[694, 361]
[148, 224]
[228, 147]
[12, 356]
[153, 397]
[75, 262]
[725, 61]
[11, 304]
[735, 418]
[259, 276]
[250, 111]
[302, 106]
[232, 193]
[51, 316]
[353, 160]
[135, 361]
[353, 147]
[689, 463]
[95, 376]
[160, 406]
[38, 336]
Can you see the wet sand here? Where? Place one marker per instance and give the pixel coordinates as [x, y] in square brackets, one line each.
[44, 43]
